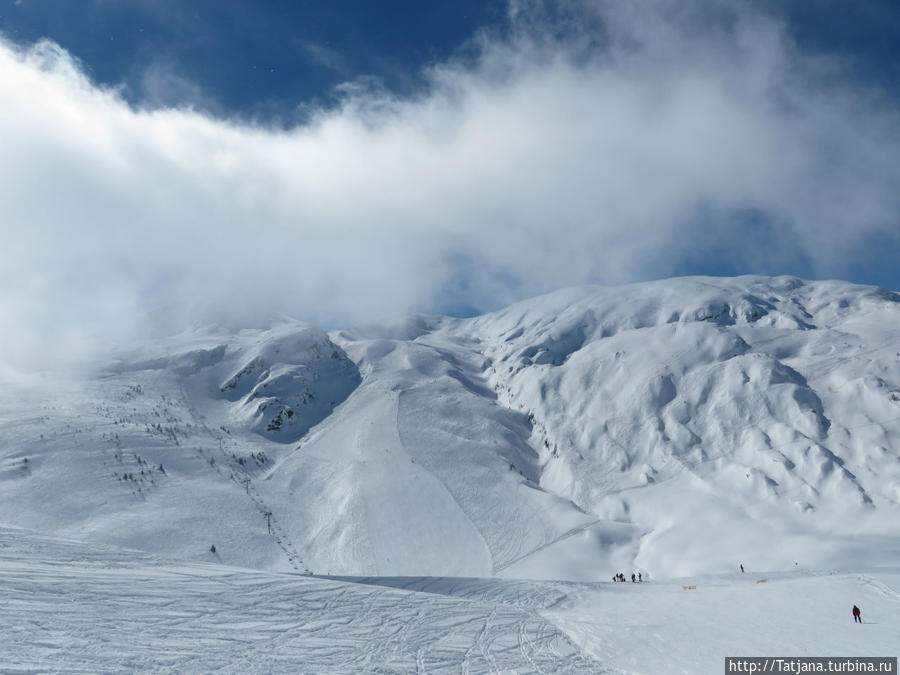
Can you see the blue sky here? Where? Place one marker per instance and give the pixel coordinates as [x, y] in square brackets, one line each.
[342, 161]
[258, 58]
[263, 58]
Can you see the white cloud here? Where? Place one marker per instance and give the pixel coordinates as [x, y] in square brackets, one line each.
[541, 163]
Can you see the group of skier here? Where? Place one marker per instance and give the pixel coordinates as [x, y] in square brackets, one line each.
[634, 577]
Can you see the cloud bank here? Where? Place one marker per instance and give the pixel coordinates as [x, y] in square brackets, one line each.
[604, 143]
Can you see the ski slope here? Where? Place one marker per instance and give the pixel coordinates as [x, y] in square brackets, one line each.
[76, 608]
[480, 468]
[70, 607]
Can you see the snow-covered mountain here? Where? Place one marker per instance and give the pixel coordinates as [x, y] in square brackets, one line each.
[678, 428]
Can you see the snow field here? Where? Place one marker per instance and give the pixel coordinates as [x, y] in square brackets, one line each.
[67, 607]
[70, 607]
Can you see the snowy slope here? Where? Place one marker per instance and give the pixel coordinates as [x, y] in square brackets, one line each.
[70, 607]
[420, 473]
[677, 427]
[727, 419]
[141, 452]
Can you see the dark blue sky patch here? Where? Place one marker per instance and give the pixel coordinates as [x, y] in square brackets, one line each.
[863, 36]
[874, 261]
[269, 59]
[730, 242]
[261, 59]
[473, 286]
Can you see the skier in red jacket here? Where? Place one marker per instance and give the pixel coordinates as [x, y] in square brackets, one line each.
[856, 614]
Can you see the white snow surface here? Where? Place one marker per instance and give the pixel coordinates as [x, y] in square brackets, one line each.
[676, 428]
[66, 606]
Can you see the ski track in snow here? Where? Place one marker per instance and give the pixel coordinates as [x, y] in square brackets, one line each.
[65, 606]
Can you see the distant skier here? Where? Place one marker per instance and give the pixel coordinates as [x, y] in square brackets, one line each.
[742, 568]
[856, 614]
[640, 578]
[633, 578]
